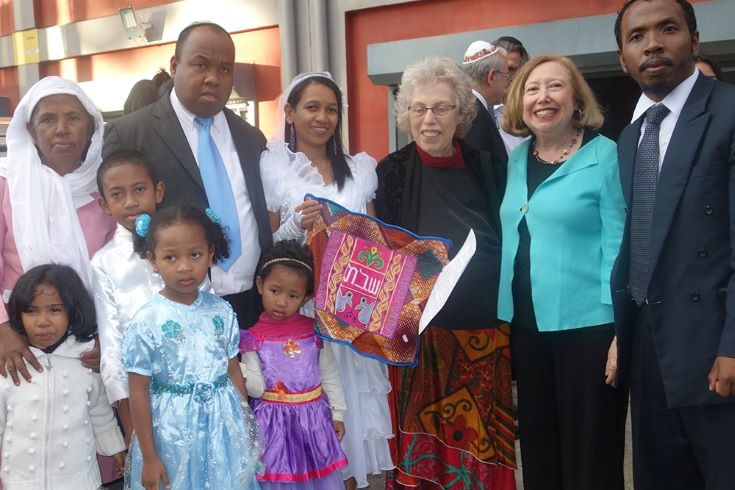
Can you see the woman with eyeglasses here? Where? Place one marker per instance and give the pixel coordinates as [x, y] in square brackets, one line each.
[454, 409]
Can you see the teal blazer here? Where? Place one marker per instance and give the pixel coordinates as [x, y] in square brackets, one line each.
[575, 219]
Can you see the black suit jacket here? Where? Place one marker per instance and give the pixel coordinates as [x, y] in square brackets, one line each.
[691, 295]
[484, 134]
[156, 132]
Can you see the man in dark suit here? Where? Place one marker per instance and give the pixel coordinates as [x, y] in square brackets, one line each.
[674, 282]
[169, 133]
[485, 64]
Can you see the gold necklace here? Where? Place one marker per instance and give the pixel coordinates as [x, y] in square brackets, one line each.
[565, 152]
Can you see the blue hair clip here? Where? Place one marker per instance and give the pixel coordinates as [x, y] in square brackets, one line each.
[213, 216]
[142, 223]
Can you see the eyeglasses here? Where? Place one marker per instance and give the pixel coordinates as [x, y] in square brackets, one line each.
[439, 110]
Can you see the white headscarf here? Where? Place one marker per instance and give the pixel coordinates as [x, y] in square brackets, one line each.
[44, 204]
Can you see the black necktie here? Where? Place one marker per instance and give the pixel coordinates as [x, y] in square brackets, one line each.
[645, 177]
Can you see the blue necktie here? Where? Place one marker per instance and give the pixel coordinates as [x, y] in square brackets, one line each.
[218, 188]
[645, 178]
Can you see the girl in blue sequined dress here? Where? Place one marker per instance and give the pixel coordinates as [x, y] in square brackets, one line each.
[192, 427]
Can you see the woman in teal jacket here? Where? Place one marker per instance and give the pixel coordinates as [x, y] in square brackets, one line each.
[562, 222]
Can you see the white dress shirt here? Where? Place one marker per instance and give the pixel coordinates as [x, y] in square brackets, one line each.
[239, 277]
[480, 98]
[674, 101]
[510, 140]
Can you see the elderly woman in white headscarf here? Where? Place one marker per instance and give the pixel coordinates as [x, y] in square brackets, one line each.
[48, 192]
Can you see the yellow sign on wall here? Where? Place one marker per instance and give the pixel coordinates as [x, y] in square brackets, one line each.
[25, 46]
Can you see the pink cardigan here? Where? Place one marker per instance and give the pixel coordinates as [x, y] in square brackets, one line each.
[97, 227]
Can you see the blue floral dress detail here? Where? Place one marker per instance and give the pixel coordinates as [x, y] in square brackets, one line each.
[203, 430]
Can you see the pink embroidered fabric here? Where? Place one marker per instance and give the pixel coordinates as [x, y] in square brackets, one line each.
[372, 281]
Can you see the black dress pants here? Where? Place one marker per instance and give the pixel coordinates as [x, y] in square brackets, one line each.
[572, 425]
[688, 448]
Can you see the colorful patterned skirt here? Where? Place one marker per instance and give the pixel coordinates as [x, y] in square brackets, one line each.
[454, 413]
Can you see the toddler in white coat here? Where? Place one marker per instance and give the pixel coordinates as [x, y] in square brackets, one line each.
[52, 428]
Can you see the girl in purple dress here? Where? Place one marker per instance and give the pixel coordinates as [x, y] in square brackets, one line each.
[295, 379]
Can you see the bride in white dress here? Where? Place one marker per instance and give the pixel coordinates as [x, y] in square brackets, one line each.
[311, 160]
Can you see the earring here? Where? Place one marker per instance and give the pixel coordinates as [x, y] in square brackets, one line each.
[334, 145]
[292, 138]
[578, 113]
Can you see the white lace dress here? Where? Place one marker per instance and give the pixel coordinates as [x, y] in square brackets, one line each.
[287, 177]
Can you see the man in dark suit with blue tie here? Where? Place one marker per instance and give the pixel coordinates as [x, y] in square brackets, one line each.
[674, 282]
[206, 155]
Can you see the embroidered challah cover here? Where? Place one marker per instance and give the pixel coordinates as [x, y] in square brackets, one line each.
[372, 281]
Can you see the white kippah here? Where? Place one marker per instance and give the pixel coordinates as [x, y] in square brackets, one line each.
[477, 51]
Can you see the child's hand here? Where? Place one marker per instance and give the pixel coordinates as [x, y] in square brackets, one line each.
[152, 474]
[339, 428]
[120, 462]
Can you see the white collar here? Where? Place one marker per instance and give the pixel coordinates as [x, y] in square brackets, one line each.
[187, 117]
[68, 348]
[480, 98]
[122, 234]
[674, 100]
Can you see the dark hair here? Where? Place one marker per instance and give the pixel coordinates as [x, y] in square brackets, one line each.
[292, 254]
[213, 232]
[165, 87]
[691, 19]
[143, 93]
[715, 67]
[184, 34]
[160, 78]
[340, 169]
[77, 301]
[512, 45]
[124, 157]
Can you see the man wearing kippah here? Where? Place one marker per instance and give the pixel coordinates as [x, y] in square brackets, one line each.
[485, 64]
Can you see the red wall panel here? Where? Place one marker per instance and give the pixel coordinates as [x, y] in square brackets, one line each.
[261, 47]
[9, 85]
[6, 17]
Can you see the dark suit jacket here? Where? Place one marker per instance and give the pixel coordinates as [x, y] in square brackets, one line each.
[156, 132]
[484, 134]
[691, 295]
